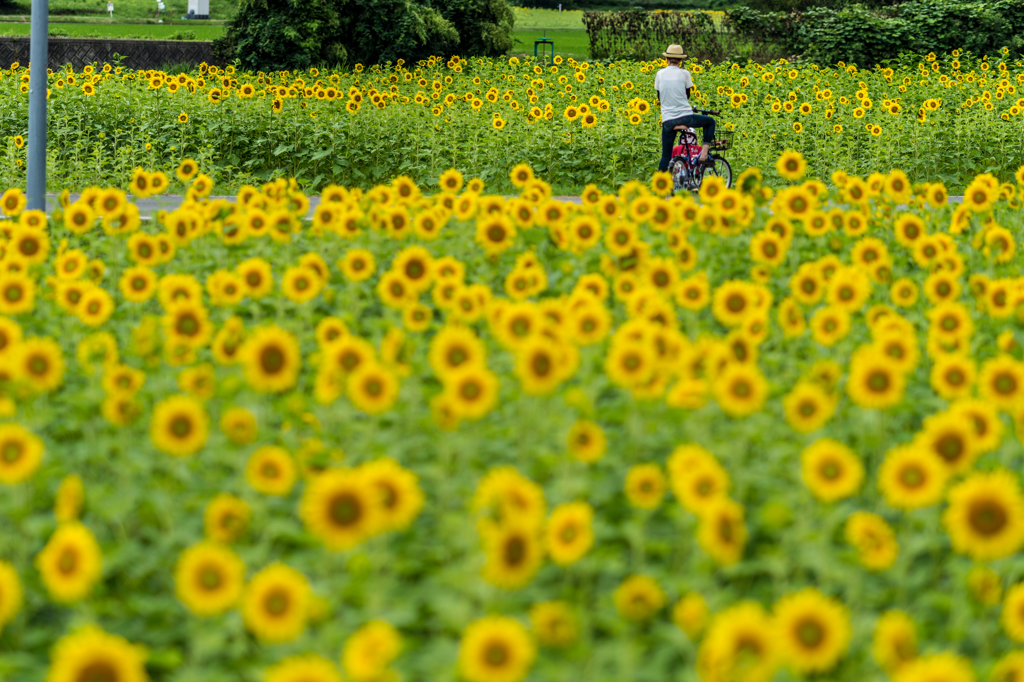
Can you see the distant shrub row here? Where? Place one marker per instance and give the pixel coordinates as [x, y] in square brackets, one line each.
[863, 36]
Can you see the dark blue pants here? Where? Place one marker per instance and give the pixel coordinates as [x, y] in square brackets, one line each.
[668, 134]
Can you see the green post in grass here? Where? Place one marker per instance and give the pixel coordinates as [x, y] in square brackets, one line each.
[38, 58]
[544, 42]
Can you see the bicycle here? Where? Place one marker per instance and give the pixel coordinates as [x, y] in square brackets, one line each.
[687, 172]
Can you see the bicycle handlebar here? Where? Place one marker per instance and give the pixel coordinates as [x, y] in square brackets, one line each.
[708, 112]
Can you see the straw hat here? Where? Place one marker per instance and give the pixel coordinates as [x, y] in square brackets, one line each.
[674, 52]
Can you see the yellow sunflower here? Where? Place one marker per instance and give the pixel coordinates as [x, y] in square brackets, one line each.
[722, 531]
[339, 508]
[11, 594]
[271, 359]
[740, 390]
[275, 604]
[985, 516]
[514, 554]
[831, 470]
[874, 381]
[399, 496]
[38, 363]
[226, 518]
[910, 477]
[740, 644]
[372, 388]
[568, 534]
[895, 640]
[368, 652]
[645, 486]
[70, 563]
[691, 614]
[586, 441]
[92, 654]
[303, 668]
[554, 624]
[180, 426]
[874, 540]
[496, 649]
[271, 470]
[813, 630]
[943, 667]
[638, 598]
[21, 452]
[209, 578]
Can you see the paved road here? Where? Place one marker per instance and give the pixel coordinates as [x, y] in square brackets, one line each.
[169, 202]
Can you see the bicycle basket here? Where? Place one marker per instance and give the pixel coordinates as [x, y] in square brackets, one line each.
[723, 140]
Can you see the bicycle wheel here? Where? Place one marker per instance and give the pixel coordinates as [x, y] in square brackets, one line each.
[677, 167]
[719, 167]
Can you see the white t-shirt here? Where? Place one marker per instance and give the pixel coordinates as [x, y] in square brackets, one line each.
[672, 82]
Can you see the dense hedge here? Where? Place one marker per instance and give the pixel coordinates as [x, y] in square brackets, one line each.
[636, 34]
[297, 34]
[863, 36]
[618, 5]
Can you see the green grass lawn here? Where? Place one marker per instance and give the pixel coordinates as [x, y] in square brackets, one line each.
[547, 18]
[568, 42]
[124, 9]
[157, 31]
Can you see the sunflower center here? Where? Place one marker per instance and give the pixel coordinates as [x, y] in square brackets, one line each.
[11, 452]
[470, 390]
[1005, 384]
[389, 495]
[188, 325]
[541, 365]
[515, 551]
[741, 389]
[181, 426]
[345, 509]
[373, 387]
[97, 671]
[725, 530]
[496, 654]
[950, 447]
[878, 382]
[912, 477]
[810, 633]
[735, 303]
[277, 602]
[272, 360]
[68, 561]
[210, 578]
[831, 470]
[987, 517]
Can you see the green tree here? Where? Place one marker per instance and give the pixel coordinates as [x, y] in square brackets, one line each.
[298, 34]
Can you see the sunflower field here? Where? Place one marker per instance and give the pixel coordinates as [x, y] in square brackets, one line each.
[940, 118]
[756, 434]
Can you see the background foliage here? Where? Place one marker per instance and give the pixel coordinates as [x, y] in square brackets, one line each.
[856, 34]
[297, 34]
[635, 34]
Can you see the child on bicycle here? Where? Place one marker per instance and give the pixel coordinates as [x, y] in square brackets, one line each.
[673, 85]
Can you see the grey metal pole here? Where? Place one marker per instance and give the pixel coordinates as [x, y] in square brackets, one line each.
[38, 59]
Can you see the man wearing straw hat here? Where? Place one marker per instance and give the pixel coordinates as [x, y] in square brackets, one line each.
[673, 85]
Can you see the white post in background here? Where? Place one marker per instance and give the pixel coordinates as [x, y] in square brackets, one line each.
[38, 59]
